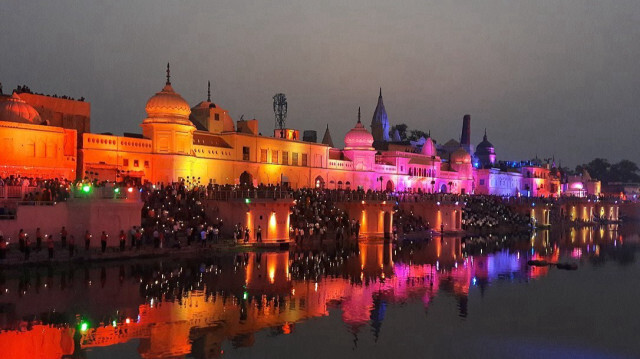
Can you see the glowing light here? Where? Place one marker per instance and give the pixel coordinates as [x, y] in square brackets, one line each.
[247, 200]
[130, 189]
[114, 323]
[245, 295]
[116, 190]
[84, 326]
[86, 188]
[128, 321]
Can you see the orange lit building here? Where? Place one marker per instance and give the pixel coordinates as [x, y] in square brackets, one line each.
[203, 145]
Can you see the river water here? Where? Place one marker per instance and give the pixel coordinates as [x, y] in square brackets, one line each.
[446, 297]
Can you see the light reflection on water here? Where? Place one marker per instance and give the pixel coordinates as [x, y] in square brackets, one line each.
[221, 303]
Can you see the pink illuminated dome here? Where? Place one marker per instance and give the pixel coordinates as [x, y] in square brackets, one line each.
[15, 109]
[168, 106]
[358, 137]
[460, 156]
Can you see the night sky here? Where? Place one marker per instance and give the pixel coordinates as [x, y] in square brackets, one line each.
[544, 77]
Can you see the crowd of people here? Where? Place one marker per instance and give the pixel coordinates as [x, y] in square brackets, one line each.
[38, 189]
[490, 212]
[314, 215]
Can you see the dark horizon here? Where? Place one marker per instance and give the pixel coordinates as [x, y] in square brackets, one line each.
[543, 79]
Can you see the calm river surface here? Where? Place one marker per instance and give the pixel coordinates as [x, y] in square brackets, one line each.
[443, 298]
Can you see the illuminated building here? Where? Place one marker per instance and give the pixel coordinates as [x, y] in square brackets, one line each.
[203, 145]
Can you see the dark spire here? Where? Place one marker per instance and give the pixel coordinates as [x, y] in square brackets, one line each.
[359, 114]
[327, 137]
[208, 91]
[485, 134]
[168, 75]
[380, 92]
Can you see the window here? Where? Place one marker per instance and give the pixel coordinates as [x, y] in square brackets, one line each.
[136, 163]
[482, 182]
[245, 153]
[294, 158]
[263, 155]
[285, 157]
[125, 162]
[216, 117]
[304, 160]
[146, 164]
[274, 156]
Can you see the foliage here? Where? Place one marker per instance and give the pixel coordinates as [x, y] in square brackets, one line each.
[402, 130]
[415, 135]
[601, 169]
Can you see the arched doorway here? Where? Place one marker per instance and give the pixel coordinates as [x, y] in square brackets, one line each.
[319, 182]
[389, 186]
[339, 184]
[443, 188]
[246, 179]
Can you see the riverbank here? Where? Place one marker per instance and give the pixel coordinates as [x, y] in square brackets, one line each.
[61, 255]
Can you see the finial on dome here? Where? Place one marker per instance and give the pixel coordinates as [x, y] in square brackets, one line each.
[208, 91]
[485, 133]
[168, 75]
[359, 114]
[380, 91]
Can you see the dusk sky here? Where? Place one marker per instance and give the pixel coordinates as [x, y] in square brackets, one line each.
[544, 77]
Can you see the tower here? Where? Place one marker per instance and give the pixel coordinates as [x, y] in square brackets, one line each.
[280, 111]
[465, 137]
[380, 122]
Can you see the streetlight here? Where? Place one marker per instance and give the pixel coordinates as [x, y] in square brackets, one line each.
[380, 179]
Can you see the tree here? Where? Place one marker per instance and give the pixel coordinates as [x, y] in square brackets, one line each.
[624, 171]
[597, 168]
[402, 130]
[601, 169]
[415, 135]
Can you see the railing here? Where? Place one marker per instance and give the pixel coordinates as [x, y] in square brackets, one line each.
[12, 192]
[224, 195]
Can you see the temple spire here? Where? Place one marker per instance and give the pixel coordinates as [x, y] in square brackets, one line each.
[380, 92]
[485, 134]
[208, 91]
[326, 139]
[168, 75]
[359, 114]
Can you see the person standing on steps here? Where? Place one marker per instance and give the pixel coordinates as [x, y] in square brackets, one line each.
[50, 246]
[103, 241]
[87, 240]
[63, 237]
[123, 240]
[38, 240]
[27, 249]
[259, 234]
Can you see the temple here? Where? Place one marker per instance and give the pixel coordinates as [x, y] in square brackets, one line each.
[49, 136]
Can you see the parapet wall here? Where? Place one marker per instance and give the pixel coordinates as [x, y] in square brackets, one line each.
[77, 215]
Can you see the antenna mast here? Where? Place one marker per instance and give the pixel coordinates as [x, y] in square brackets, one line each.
[280, 111]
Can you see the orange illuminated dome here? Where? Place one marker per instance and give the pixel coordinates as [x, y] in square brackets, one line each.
[358, 137]
[168, 106]
[15, 109]
[460, 156]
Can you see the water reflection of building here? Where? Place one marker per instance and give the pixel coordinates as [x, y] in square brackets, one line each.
[195, 308]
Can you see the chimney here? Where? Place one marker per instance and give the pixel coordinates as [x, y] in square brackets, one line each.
[465, 138]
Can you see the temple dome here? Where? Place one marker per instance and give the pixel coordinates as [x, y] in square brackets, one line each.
[460, 156]
[429, 148]
[15, 109]
[168, 106]
[358, 137]
[485, 147]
